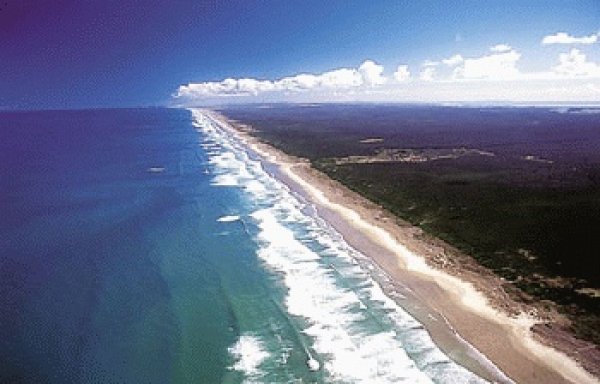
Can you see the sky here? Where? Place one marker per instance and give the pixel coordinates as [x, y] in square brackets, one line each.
[79, 54]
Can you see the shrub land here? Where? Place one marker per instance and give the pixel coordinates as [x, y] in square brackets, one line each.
[518, 189]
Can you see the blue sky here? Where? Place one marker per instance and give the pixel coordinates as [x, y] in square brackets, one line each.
[72, 54]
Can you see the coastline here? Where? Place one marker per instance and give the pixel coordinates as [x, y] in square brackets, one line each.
[460, 305]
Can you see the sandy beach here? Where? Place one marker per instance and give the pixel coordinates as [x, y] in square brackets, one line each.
[460, 303]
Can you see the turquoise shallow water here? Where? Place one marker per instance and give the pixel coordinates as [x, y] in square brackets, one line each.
[149, 246]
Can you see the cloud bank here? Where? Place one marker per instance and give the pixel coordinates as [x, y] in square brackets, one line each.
[494, 75]
[368, 74]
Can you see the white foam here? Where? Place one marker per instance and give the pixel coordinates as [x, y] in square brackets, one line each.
[227, 219]
[352, 351]
[313, 364]
[156, 169]
[249, 354]
[357, 332]
[256, 188]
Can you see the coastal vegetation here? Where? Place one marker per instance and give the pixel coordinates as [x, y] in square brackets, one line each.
[518, 189]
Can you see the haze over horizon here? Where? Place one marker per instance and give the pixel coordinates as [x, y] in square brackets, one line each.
[115, 54]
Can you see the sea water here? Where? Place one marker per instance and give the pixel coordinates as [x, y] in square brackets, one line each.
[149, 245]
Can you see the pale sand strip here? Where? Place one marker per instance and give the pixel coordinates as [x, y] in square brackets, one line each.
[505, 340]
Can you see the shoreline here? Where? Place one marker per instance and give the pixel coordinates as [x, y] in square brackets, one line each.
[462, 306]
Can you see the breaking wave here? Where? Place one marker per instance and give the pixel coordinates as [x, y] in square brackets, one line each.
[354, 332]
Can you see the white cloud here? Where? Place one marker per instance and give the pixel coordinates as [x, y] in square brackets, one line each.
[496, 66]
[575, 64]
[372, 73]
[402, 73]
[340, 78]
[337, 78]
[501, 48]
[491, 76]
[453, 60]
[427, 74]
[253, 86]
[228, 86]
[565, 38]
[368, 74]
[299, 82]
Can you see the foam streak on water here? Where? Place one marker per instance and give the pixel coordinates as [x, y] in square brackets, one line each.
[249, 354]
[353, 332]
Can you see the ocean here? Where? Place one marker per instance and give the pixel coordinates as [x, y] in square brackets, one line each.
[148, 245]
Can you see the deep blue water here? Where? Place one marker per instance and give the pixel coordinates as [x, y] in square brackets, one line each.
[107, 269]
[149, 246]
